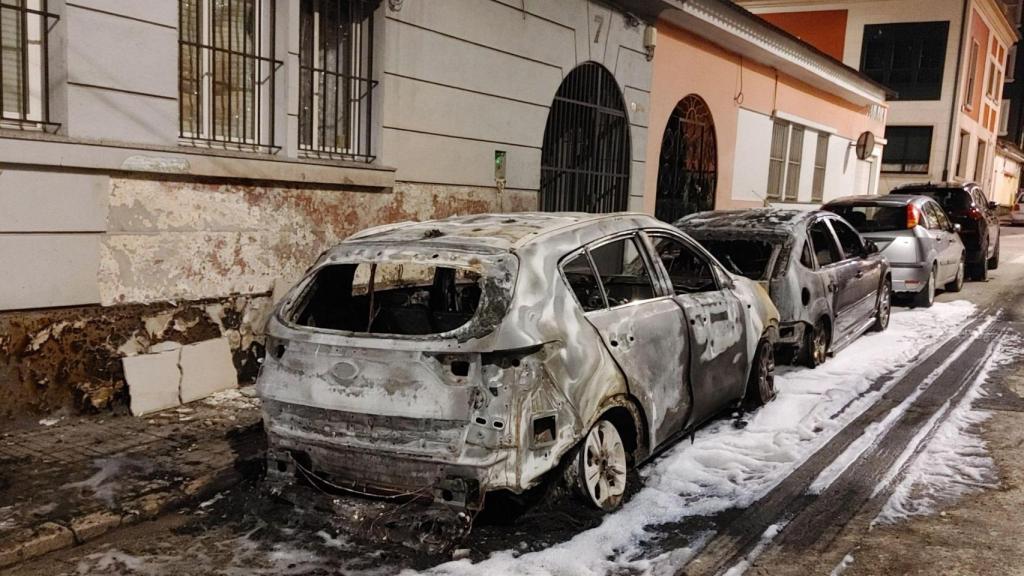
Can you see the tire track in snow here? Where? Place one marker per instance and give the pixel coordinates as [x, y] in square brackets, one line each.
[812, 516]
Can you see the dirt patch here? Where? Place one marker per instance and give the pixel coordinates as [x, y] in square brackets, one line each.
[70, 358]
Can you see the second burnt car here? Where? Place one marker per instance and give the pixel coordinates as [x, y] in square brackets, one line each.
[453, 358]
[829, 284]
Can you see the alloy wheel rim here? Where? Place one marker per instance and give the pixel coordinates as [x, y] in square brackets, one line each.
[820, 344]
[766, 381]
[604, 465]
[960, 275]
[885, 306]
[931, 287]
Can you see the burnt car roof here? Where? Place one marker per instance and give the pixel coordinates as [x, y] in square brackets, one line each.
[495, 232]
[756, 219]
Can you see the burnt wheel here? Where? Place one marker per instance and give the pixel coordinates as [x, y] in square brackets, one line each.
[884, 308]
[761, 384]
[816, 342]
[598, 469]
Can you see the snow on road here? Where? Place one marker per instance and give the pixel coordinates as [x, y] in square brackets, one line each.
[728, 467]
[954, 462]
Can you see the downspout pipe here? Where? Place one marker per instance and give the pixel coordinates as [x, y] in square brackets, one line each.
[956, 91]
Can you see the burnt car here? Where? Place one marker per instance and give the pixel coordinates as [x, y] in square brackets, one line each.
[453, 358]
[914, 234]
[966, 205]
[829, 284]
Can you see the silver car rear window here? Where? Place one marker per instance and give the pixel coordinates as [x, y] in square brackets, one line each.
[873, 217]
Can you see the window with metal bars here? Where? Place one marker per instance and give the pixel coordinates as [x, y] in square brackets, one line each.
[227, 72]
[24, 55]
[336, 78]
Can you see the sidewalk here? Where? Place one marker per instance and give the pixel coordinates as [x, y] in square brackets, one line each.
[66, 482]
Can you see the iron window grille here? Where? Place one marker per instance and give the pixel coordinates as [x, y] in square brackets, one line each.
[227, 73]
[24, 63]
[336, 78]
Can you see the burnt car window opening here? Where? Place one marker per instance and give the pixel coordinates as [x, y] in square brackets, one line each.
[623, 272]
[873, 218]
[848, 239]
[825, 249]
[688, 270]
[390, 298]
[584, 283]
[750, 258]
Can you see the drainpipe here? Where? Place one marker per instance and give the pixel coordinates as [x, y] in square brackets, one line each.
[956, 91]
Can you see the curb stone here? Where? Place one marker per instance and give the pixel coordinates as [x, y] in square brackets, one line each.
[31, 543]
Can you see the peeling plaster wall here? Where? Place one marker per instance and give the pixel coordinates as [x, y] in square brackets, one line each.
[170, 240]
[186, 261]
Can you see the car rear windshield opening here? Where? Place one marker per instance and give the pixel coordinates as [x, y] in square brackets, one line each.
[390, 298]
[872, 218]
[951, 199]
[745, 257]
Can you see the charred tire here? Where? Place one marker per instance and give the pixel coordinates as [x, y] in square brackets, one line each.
[883, 310]
[816, 342]
[761, 383]
[958, 283]
[993, 262]
[926, 297]
[597, 470]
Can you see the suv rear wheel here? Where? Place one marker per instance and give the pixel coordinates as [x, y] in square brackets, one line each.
[958, 283]
[598, 470]
[993, 262]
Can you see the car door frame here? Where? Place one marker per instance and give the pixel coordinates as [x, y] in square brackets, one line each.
[714, 381]
[831, 273]
[952, 248]
[866, 277]
[650, 380]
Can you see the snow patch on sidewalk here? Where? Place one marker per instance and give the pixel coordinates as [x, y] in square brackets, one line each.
[728, 467]
[955, 462]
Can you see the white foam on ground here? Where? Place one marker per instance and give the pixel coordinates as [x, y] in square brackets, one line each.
[729, 467]
[954, 462]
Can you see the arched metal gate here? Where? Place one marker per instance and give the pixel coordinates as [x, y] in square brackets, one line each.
[688, 168]
[584, 163]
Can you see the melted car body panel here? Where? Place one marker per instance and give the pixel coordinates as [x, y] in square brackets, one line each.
[494, 403]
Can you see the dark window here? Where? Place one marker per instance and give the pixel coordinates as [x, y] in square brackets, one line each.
[908, 58]
[872, 217]
[823, 243]
[936, 219]
[908, 149]
[227, 72]
[584, 283]
[390, 298]
[848, 239]
[746, 257]
[623, 272]
[689, 271]
[585, 157]
[805, 255]
[688, 167]
[335, 84]
[952, 200]
[23, 61]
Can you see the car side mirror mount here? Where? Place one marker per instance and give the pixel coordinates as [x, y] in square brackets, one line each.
[870, 247]
[957, 228]
[992, 205]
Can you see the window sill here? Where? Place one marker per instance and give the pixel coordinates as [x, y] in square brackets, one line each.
[43, 149]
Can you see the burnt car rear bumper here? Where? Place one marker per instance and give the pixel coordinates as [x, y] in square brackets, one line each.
[791, 334]
[376, 456]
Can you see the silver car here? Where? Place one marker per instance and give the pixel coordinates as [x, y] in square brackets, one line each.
[452, 358]
[917, 237]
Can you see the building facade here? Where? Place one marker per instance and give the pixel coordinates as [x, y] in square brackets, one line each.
[744, 115]
[945, 66]
[168, 167]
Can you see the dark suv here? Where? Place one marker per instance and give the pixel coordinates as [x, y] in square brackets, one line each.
[967, 206]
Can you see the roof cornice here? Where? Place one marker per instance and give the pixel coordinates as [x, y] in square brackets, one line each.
[740, 31]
